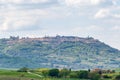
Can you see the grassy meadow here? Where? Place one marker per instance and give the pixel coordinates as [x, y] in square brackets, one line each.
[14, 75]
[37, 75]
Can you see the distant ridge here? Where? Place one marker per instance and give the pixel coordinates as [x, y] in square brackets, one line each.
[57, 52]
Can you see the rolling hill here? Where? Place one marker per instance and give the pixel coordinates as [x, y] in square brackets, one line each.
[57, 52]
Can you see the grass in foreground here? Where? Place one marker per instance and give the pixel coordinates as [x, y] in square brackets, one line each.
[14, 75]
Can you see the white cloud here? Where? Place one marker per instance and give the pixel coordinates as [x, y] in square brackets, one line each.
[74, 2]
[116, 28]
[116, 15]
[96, 2]
[109, 12]
[13, 19]
[89, 29]
[82, 2]
[11, 1]
[102, 13]
[38, 1]
[22, 1]
[114, 2]
[11, 23]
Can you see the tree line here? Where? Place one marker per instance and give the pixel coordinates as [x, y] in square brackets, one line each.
[96, 74]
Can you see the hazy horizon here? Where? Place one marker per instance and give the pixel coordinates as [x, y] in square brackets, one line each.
[99, 19]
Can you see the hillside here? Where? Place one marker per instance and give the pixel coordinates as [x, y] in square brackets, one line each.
[57, 52]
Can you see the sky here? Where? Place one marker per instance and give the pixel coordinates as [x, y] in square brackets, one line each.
[36, 18]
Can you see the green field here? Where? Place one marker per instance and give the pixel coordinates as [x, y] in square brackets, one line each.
[14, 75]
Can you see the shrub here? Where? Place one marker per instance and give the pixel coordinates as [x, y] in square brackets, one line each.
[106, 76]
[24, 69]
[53, 72]
[82, 74]
[73, 74]
[94, 76]
[45, 73]
[117, 77]
[64, 72]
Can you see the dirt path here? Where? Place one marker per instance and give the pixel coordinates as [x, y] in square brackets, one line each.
[35, 74]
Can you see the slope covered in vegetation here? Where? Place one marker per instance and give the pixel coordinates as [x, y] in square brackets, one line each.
[57, 52]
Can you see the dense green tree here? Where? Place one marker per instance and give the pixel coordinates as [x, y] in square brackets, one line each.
[106, 76]
[64, 72]
[117, 77]
[82, 74]
[73, 74]
[94, 76]
[24, 69]
[89, 70]
[45, 73]
[53, 72]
